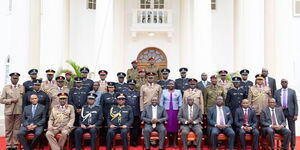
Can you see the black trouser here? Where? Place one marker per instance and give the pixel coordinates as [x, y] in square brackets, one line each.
[286, 133]
[135, 131]
[78, 137]
[111, 134]
[291, 123]
[255, 135]
[227, 131]
[22, 137]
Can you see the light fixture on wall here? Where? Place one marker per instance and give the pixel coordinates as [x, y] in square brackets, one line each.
[151, 34]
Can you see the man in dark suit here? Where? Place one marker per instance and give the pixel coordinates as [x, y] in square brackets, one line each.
[154, 117]
[245, 122]
[219, 121]
[33, 120]
[190, 116]
[286, 99]
[269, 81]
[203, 83]
[273, 121]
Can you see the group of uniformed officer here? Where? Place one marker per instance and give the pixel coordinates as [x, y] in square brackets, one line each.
[116, 106]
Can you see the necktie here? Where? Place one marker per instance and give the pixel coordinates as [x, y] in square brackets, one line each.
[191, 112]
[284, 99]
[266, 82]
[246, 117]
[221, 116]
[33, 110]
[273, 117]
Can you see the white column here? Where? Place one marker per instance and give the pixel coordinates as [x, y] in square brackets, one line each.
[104, 37]
[201, 50]
[118, 36]
[186, 33]
[249, 35]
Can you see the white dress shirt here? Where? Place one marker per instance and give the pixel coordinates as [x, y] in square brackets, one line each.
[272, 114]
[154, 112]
[218, 112]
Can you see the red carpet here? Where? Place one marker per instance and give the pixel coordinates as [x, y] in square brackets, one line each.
[2, 146]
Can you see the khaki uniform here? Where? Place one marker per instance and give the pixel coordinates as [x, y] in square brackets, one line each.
[155, 69]
[62, 119]
[132, 74]
[210, 94]
[196, 94]
[147, 93]
[102, 86]
[12, 112]
[69, 84]
[53, 94]
[226, 86]
[258, 97]
[139, 83]
[46, 86]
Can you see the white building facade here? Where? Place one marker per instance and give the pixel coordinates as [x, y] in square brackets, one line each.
[109, 34]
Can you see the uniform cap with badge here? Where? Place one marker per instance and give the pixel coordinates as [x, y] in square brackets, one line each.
[236, 79]
[121, 75]
[183, 70]
[110, 84]
[62, 95]
[37, 82]
[91, 95]
[259, 77]
[14, 75]
[60, 78]
[84, 70]
[223, 72]
[102, 72]
[78, 79]
[33, 71]
[132, 82]
[165, 71]
[244, 72]
[50, 72]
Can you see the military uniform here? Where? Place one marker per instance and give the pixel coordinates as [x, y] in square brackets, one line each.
[258, 97]
[155, 69]
[210, 94]
[61, 121]
[119, 116]
[133, 100]
[235, 96]
[12, 111]
[88, 83]
[196, 94]
[147, 92]
[139, 83]
[102, 83]
[107, 101]
[246, 85]
[53, 94]
[182, 84]
[69, 84]
[132, 74]
[90, 115]
[226, 85]
[163, 83]
[28, 84]
[47, 85]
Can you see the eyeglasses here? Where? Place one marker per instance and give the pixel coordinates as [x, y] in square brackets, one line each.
[121, 99]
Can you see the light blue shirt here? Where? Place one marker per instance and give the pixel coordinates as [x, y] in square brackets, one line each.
[176, 99]
[98, 98]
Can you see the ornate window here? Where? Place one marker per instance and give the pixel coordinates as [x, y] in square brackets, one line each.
[152, 4]
[159, 55]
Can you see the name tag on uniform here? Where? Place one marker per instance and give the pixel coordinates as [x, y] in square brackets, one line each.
[125, 111]
[134, 96]
[234, 93]
[94, 112]
[241, 93]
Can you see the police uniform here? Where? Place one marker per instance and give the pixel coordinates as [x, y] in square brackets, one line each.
[245, 84]
[153, 68]
[12, 111]
[195, 93]
[55, 90]
[90, 115]
[121, 87]
[148, 91]
[133, 100]
[108, 100]
[132, 73]
[102, 83]
[43, 96]
[164, 82]
[70, 83]
[225, 84]
[28, 84]
[259, 96]
[235, 96]
[61, 121]
[47, 85]
[211, 93]
[87, 83]
[182, 83]
[77, 98]
[119, 116]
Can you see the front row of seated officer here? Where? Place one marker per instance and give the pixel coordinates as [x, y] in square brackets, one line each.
[120, 119]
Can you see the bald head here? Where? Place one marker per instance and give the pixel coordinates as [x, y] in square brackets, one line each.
[284, 83]
[203, 76]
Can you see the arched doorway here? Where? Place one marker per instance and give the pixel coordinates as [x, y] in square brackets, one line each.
[158, 54]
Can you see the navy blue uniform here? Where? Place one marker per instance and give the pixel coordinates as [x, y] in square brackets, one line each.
[119, 116]
[234, 98]
[28, 85]
[163, 83]
[77, 98]
[107, 101]
[43, 98]
[90, 115]
[88, 83]
[246, 85]
[121, 87]
[182, 84]
[133, 100]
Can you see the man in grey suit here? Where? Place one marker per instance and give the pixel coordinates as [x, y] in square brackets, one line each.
[269, 81]
[219, 121]
[203, 83]
[154, 117]
[286, 99]
[273, 121]
[33, 120]
[190, 116]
